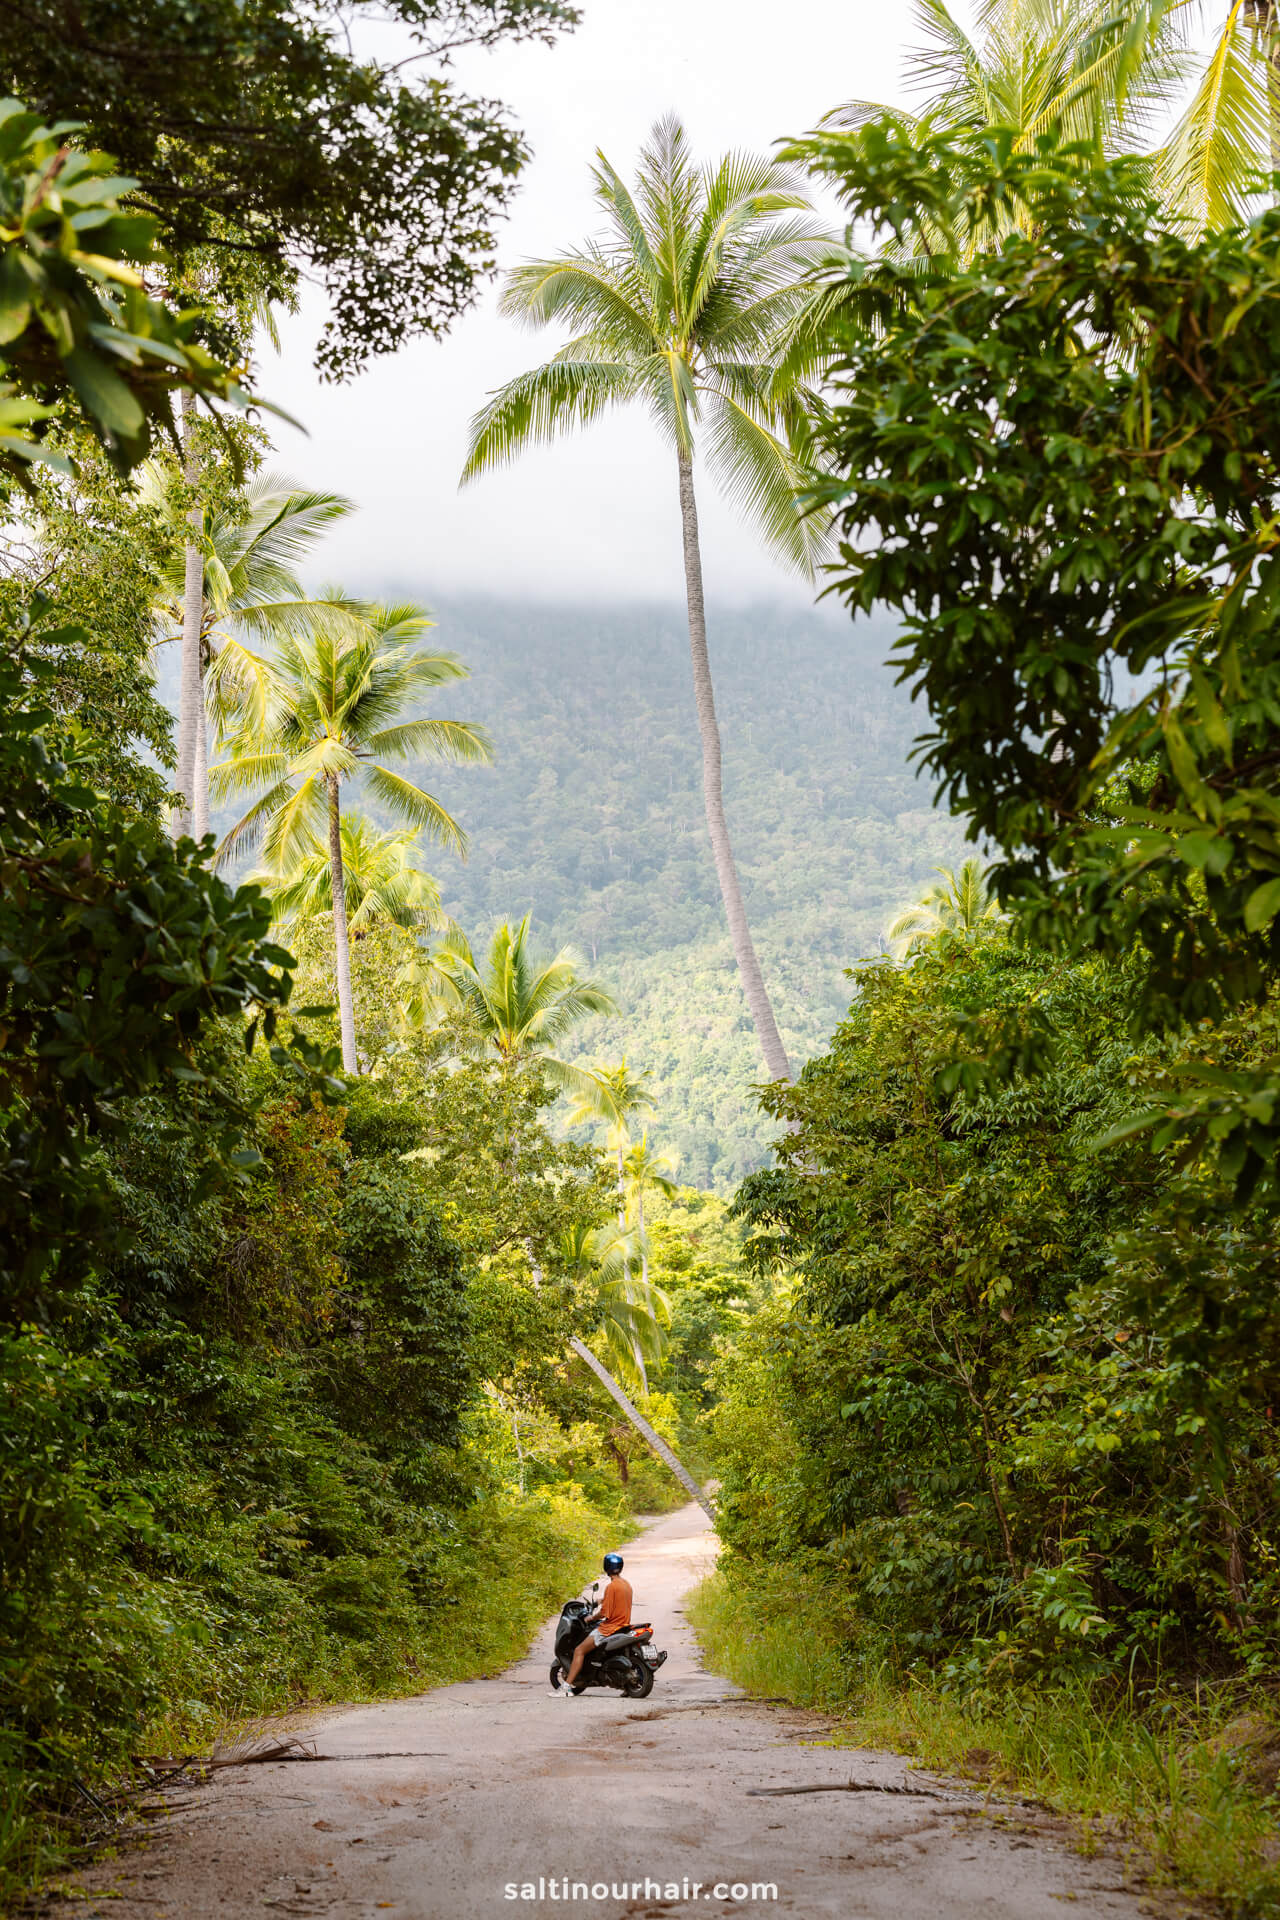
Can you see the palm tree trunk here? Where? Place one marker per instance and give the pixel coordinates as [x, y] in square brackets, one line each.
[341, 941]
[652, 1440]
[643, 1244]
[200, 772]
[190, 688]
[753, 986]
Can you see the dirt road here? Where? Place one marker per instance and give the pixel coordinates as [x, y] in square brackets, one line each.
[495, 1798]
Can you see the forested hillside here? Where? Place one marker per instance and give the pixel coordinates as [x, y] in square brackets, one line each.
[591, 817]
[336, 1293]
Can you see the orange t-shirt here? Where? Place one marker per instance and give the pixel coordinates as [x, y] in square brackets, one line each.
[615, 1608]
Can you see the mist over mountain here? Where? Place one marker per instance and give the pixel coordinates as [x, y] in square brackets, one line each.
[591, 819]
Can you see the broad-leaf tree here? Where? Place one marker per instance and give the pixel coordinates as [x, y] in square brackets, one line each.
[79, 330]
[679, 307]
[337, 701]
[1058, 466]
[293, 134]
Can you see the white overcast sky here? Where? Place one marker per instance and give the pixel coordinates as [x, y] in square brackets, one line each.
[595, 516]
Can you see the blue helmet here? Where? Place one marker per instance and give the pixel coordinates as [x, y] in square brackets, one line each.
[613, 1563]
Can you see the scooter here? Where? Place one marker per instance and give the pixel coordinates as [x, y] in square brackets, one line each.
[627, 1661]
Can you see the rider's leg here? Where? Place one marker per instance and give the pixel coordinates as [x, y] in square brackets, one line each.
[580, 1653]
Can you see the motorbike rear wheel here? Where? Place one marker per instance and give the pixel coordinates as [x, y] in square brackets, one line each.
[639, 1681]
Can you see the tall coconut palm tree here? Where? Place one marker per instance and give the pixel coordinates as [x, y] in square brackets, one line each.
[959, 904]
[678, 307]
[327, 707]
[646, 1172]
[248, 551]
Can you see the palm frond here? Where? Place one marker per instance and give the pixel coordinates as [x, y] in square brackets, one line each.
[255, 766]
[379, 878]
[567, 1077]
[294, 821]
[744, 190]
[1215, 154]
[759, 473]
[455, 740]
[669, 185]
[584, 290]
[617, 199]
[419, 809]
[248, 831]
[946, 65]
[539, 405]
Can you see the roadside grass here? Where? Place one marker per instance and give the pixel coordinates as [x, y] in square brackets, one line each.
[1184, 1779]
[510, 1563]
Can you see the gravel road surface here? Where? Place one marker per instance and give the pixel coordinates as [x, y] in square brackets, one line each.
[496, 1798]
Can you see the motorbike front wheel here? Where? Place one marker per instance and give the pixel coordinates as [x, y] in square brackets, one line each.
[639, 1684]
[557, 1675]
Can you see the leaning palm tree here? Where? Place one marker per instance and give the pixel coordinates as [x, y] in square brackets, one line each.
[327, 707]
[590, 1252]
[961, 904]
[678, 308]
[249, 550]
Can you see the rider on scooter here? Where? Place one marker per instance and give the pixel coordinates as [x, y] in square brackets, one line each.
[611, 1616]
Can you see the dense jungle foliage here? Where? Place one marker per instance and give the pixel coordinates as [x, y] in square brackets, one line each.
[284, 1356]
[1013, 1399]
[995, 1418]
[590, 817]
[295, 1305]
